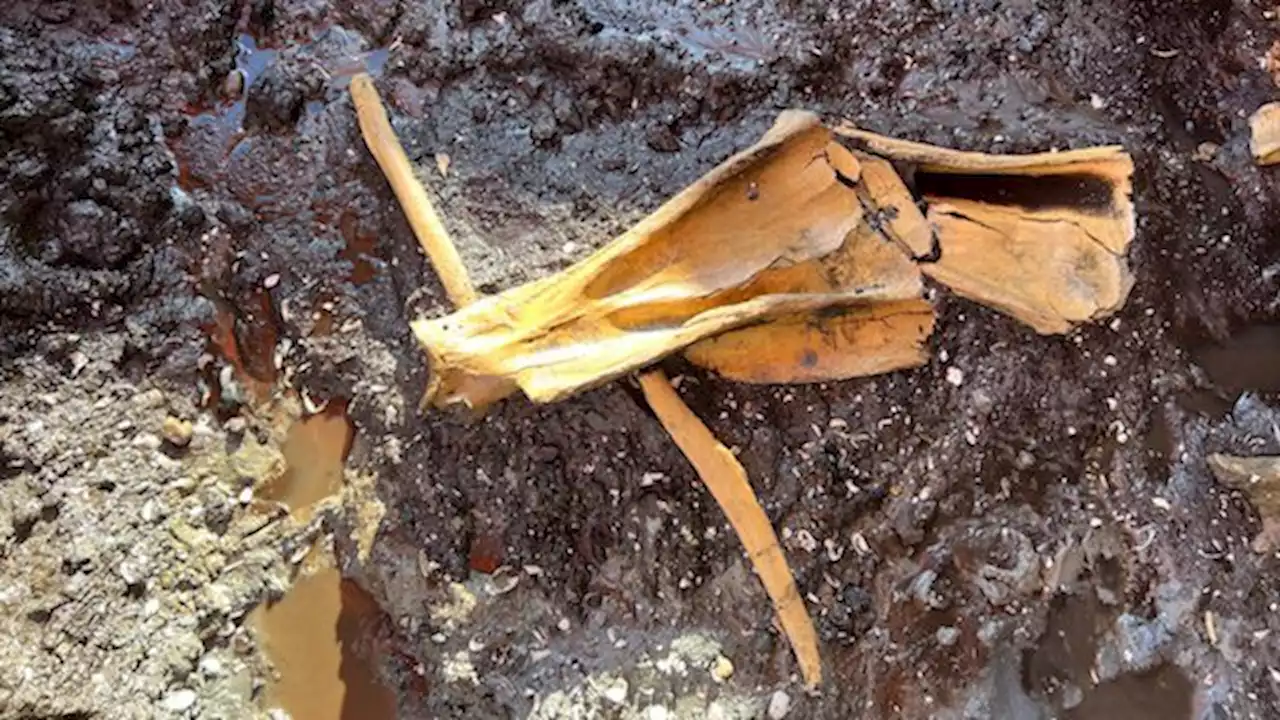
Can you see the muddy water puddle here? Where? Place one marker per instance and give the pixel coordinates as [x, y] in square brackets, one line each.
[1249, 361]
[315, 450]
[1062, 670]
[1161, 694]
[321, 636]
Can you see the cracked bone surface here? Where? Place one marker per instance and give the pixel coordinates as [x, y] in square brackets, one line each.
[800, 259]
[764, 235]
[1040, 237]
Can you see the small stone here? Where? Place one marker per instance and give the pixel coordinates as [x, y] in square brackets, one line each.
[131, 572]
[236, 425]
[164, 462]
[779, 705]
[1024, 460]
[721, 669]
[657, 712]
[1205, 151]
[617, 692]
[152, 398]
[180, 700]
[955, 376]
[662, 139]
[246, 495]
[983, 402]
[270, 281]
[211, 666]
[150, 441]
[233, 85]
[947, 635]
[178, 432]
[78, 362]
[564, 624]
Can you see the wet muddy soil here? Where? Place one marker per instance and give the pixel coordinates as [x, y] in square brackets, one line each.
[190, 224]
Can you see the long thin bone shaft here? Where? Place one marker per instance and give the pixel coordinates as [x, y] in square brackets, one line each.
[422, 216]
[725, 477]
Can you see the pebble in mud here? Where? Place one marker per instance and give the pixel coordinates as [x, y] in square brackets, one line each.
[180, 700]
[721, 669]
[616, 693]
[947, 635]
[233, 85]
[779, 705]
[657, 712]
[176, 431]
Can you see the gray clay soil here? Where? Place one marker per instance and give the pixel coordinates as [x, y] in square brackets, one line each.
[1040, 539]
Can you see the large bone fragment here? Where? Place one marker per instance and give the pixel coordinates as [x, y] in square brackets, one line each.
[1041, 237]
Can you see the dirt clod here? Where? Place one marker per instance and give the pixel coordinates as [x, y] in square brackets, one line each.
[1259, 479]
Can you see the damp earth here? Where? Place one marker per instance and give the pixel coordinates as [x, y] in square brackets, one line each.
[218, 498]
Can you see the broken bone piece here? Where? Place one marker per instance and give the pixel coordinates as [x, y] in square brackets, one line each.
[824, 345]
[1040, 237]
[1259, 479]
[838, 343]
[799, 260]
[834, 343]
[728, 484]
[764, 235]
[1264, 130]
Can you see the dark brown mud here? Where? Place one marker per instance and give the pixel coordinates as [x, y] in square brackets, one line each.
[1042, 539]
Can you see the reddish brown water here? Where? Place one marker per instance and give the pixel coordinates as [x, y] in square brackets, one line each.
[315, 451]
[321, 637]
[358, 250]
[246, 341]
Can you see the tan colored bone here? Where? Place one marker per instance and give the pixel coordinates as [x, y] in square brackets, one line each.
[1052, 264]
[1264, 140]
[759, 237]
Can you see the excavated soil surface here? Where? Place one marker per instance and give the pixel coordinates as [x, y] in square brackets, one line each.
[1035, 536]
